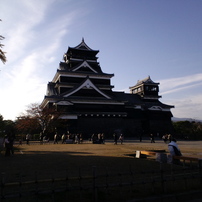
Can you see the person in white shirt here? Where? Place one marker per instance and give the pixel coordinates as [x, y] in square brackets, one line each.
[174, 151]
[173, 148]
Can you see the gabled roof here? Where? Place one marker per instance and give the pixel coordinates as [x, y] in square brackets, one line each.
[134, 99]
[154, 103]
[86, 84]
[63, 102]
[84, 64]
[147, 80]
[83, 46]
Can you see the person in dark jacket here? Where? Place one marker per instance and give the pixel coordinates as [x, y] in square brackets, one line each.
[7, 145]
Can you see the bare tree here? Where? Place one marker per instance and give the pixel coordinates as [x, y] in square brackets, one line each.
[2, 53]
[45, 120]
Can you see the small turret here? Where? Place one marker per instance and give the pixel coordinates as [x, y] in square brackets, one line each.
[146, 88]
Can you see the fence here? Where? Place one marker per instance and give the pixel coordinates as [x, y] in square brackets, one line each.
[100, 185]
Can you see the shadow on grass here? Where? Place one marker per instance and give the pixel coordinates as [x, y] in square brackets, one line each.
[45, 162]
[27, 164]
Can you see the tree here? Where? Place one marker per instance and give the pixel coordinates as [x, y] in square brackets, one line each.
[1, 125]
[9, 127]
[37, 119]
[188, 130]
[2, 53]
[26, 124]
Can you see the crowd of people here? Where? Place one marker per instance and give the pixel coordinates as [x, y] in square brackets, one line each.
[68, 138]
[118, 136]
[98, 138]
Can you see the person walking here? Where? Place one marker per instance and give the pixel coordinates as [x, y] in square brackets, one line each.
[7, 146]
[152, 138]
[56, 138]
[63, 138]
[115, 138]
[121, 138]
[11, 139]
[28, 138]
[41, 138]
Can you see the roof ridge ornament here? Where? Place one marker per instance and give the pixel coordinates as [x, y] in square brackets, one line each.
[83, 45]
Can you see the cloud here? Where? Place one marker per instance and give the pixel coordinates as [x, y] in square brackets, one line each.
[32, 43]
[189, 107]
[181, 83]
[19, 22]
[184, 93]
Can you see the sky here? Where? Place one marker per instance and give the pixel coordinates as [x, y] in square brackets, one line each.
[135, 38]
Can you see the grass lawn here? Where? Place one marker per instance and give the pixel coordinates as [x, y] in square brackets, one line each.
[78, 159]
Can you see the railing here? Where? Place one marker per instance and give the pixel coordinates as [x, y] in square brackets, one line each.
[101, 186]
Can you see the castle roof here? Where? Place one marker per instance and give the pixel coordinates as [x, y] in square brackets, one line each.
[83, 46]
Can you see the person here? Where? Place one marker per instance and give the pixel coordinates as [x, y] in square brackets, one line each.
[169, 137]
[102, 138]
[115, 138]
[99, 138]
[80, 138]
[11, 139]
[28, 138]
[63, 138]
[94, 138]
[165, 138]
[41, 138]
[174, 150]
[152, 138]
[56, 138]
[7, 145]
[121, 138]
[76, 140]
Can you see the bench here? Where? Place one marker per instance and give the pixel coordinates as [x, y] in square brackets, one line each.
[188, 158]
[162, 157]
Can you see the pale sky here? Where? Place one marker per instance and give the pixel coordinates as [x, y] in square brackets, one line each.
[136, 38]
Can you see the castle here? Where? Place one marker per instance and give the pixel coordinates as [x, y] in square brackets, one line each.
[83, 93]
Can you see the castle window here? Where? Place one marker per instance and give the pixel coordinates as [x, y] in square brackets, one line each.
[153, 89]
[150, 88]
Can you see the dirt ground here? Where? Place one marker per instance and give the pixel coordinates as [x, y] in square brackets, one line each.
[49, 156]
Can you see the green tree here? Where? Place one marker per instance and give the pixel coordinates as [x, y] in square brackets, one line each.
[2, 53]
[188, 130]
[9, 127]
[1, 126]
